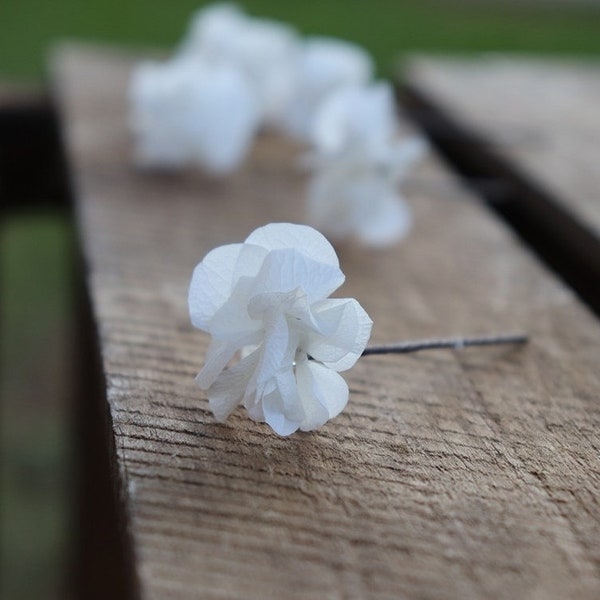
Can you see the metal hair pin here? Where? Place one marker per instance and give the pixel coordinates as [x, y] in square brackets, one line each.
[456, 343]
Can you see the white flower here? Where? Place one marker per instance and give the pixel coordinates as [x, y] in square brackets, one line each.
[264, 50]
[212, 30]
[192, 112]
[355, 117]
[359, 161]
[325, 65]
[266, 301]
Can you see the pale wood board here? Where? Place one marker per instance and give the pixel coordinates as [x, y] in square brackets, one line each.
[469, 474]
[541, 114]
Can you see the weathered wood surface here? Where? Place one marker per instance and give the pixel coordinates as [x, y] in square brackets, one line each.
[541, 115]
[469, 474]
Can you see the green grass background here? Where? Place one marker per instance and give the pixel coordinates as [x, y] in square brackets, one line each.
[36, 303]
[385, 27]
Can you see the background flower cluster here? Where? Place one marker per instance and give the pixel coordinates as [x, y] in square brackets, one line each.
[233, 76]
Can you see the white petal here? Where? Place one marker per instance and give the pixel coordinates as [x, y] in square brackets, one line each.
[212, 283]
[254, 407]
[249, 261]
[375, 213]
[213, 30]
[267, 303]
[273, 350]
[156, 93]
[218, 355]
[286, 270]
[347, 196]
[264, 50]
[341, 348]
[302, 238]
[388, 222]
[267, 52]
[405, 154]
[329, 62]
[324, 65]
[295, 305]
[328, 208]
[231, 386]
[231, 116]
[282, 409]
[209, 111]
[275, 417]
[355, 115]
[323, 393]
[232, 322]
[217, 290]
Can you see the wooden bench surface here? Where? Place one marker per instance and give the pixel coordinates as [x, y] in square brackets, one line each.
[450, 474]
[541, 115]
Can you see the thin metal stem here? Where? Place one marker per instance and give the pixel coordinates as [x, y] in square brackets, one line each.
[453, 343]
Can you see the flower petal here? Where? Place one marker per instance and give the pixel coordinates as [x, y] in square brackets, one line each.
[282, 411]
[355, 115]
[388, 222]
[301, 238]
[286, 269]
[207, 109]
[351, 325]
[212, 30]
[231, 386]
[375, 214]
[272, 350]
[218, 355]
[328, 208]
[405, 154]
[212, 283]
[323, 393]
[232, 321]
[231, 115]
[324, 65]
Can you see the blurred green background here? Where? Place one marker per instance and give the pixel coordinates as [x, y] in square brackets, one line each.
[385, 27]
[36, 318]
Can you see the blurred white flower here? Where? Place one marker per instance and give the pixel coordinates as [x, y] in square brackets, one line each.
[266, 302]
[192, 112]
[212, 29]
[264, 50]
[324, 65]
[355, 117]
[358, 162]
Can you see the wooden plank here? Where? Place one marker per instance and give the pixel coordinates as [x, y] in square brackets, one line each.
[451, 474]
[541, 118]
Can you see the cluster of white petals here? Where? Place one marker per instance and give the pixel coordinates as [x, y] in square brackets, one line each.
[231, 75]
[186, 112]
[324, 66]
[359, 161]
[266, 302]
[234, 74]
[265, 51]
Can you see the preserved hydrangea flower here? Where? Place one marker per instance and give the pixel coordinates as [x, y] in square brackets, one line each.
[325, 65]
[267, 302]
[192, 112]
[359, 161]
[264, 50]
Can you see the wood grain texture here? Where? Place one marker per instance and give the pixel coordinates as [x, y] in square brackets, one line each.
[450, 474]
[540, 114]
